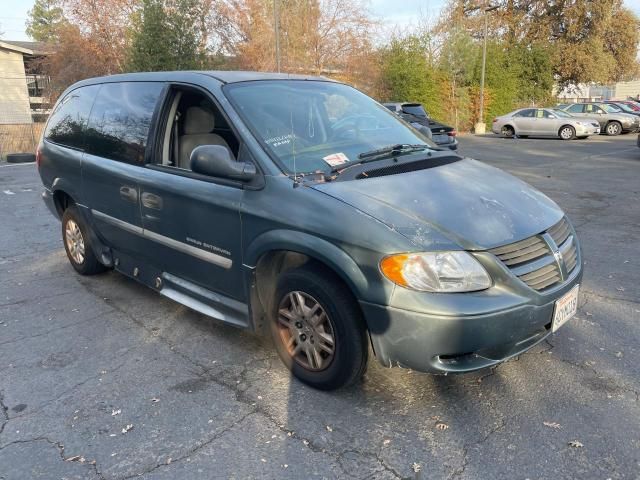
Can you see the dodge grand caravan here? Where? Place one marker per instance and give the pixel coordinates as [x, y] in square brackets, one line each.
[299, 207]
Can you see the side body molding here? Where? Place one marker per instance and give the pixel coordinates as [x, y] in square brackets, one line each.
[315, 247]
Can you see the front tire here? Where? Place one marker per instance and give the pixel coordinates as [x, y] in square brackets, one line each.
[567, 132]
[613, 128]
[77, 243]
[317, 328]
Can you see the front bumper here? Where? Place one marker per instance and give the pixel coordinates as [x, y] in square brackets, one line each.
[587, 130]
[443, 343]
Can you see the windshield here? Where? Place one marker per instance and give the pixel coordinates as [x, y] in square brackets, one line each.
[309, 126]
[610, 108]
[561, 113]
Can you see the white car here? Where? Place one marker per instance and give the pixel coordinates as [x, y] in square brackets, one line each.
[544, 122]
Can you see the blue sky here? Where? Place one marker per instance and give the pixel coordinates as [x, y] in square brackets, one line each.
[390, 12]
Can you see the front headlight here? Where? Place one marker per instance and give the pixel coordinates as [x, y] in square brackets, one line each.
[445, 272]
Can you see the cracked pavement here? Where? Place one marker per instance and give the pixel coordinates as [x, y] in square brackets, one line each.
[102, 378]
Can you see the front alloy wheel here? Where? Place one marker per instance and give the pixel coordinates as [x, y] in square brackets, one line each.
[567, 133]
[317, 328]
[306, 331]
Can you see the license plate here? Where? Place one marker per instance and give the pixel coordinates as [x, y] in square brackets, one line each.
[566, 307]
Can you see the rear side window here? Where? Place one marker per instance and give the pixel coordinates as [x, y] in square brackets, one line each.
[68, 121]
[575, 108]
[120, 120]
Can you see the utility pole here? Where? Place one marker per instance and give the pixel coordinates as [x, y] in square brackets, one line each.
[480, 127]
[276, 24]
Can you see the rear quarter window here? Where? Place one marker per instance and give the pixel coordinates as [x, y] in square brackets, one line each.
[120, 120]
[68, 122]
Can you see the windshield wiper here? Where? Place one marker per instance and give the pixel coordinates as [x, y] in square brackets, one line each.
[393, 150]
[389, 151]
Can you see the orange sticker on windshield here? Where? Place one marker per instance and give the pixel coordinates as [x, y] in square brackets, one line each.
[336, 159]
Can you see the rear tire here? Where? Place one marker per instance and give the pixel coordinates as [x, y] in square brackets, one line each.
[508, 131]
[613, 128]
[77, 243]
[317, 328]
[567, 132]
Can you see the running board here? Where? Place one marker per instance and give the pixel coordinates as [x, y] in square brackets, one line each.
[205, 301]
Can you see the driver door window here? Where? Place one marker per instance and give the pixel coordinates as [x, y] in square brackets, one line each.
[193, 120]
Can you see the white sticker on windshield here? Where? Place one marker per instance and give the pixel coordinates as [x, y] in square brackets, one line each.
[336, 159]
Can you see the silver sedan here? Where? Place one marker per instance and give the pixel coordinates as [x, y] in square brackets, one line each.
[544, 122]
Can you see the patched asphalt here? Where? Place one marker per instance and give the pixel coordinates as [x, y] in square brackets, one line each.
[101, 377]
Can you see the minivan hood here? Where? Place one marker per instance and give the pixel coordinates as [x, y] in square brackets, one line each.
[467, 204]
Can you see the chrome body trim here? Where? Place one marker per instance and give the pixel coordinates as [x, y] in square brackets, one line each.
[210, 257]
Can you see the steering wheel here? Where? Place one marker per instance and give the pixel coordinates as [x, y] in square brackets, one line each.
[349, 126]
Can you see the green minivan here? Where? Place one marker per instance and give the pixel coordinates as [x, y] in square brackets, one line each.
[298, 207]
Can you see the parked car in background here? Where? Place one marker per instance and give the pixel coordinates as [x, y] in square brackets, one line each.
[634, 104]
[544, 122]
[612, 120]
[414, 113]
[625, 107]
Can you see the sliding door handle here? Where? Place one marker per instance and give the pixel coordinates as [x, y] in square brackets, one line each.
[151, 200]
[129, 193]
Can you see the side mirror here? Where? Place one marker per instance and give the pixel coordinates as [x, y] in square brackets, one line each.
[552, 116]
[216, 161]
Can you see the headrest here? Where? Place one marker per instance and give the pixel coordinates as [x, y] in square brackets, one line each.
[198, 120]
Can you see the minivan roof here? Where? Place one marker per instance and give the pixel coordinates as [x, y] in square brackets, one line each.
[222, 76]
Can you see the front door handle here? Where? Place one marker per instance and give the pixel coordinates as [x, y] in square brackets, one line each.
[151, 200]
[129, 193]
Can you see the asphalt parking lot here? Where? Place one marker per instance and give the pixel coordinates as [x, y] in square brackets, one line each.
[102, 378]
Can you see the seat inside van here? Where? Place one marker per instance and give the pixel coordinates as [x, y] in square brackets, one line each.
[193, 121]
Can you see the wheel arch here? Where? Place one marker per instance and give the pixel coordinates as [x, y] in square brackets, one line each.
[609, 122]
[566, 125]
[64, 194]
[277, 251]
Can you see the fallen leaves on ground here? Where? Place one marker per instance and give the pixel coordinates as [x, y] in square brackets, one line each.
[575, 444]
[552, 424]
[128, 428]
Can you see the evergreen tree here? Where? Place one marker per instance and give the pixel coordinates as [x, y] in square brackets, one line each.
[45, 20]
[166, 36]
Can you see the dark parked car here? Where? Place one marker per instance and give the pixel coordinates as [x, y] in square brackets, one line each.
[414, 113]
[300, 207]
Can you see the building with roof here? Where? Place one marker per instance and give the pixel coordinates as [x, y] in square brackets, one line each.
[24, 105]
[22, 86]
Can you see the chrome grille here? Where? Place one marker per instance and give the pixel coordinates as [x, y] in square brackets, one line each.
[523, 251]
[533, 261]
[560, 231]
